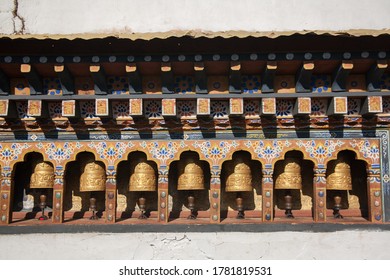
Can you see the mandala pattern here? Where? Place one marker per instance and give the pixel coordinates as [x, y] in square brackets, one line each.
[369, 150]
[52, 86]
[251, 108]
[153, 108]
[320, 83]
[163, 151]
[318, 107]
[87, 109]
[120, 109]
[111, 151]
[251, 84]
[268, 150]
[186, 108]
[219, 109]
[216, 150]
[284, 108]
[118, 85]
[11, 152]
[386, 105]
[21, 108]
[184, 84]
[320, 150]
[384, 83]
[59, 152]
[354, 106]
[55, 110]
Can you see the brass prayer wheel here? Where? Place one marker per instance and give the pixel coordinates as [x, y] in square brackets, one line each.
[239, 176]
[42, 177]
[341, 178]
[143, 177]
[93, 177]
[290, 178]
[190, 173]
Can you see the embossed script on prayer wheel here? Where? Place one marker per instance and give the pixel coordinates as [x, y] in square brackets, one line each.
[290, 178]
[239, 176]
[42, 177]
[143, 177]
[191, 175]
[341, 178]
[93, 178]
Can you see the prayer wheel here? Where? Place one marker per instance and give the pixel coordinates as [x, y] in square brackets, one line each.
[93, 177]
[339, 180]
[42, 176]
[289, 179]
[239, 179]
[191, 175]
[143, 177]
[190, 178]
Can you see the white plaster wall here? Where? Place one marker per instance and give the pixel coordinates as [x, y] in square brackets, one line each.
[343, 245]
[144, 16]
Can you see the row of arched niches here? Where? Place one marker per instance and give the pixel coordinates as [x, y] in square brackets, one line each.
[188, 194]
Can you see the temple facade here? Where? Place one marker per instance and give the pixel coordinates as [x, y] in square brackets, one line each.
[163, 117]
[197, 130]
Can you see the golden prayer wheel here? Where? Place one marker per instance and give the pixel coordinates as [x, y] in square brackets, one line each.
[42, 177]
[143, 177]
[190, 173]
[93, 177]
[290, 178]
[341, 178]
[239, 176]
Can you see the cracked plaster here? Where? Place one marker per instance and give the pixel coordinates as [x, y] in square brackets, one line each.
[201, 246]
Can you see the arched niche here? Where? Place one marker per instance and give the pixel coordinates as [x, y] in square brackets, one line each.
[355, 200]
[178, 199]
[26, 199]
[302, 199]
[252, 200]
[77, 203]
[127, 201]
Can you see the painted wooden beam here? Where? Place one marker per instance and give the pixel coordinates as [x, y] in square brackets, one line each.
[200, 78]
[302, 106]
[99, 79]
[33, 78]
[268, 77]
[372, 105]
[374, 75]
[4, 84]
[166, 78]
[70, 109]
[340, 76]
[303, 77]
[135, 78]
[338, 106]
[235, 77]
[66, 78]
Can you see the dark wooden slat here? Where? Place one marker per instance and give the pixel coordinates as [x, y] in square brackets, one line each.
[135, 79]
[4, 84]
[303, 77]
[66, 78]
[200, 78]
[166, 78]
[268, 77]
[34, 80]
[374, 75]
[340, 76]
[99, 79]
[235, 77]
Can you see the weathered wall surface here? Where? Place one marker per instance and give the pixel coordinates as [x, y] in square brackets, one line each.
[154, 16]
[345, 245]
